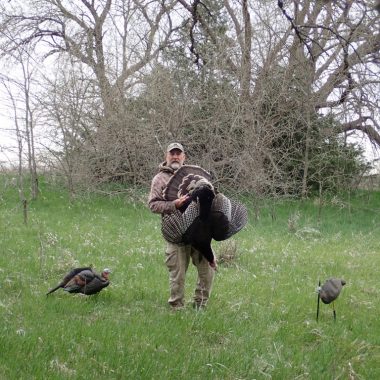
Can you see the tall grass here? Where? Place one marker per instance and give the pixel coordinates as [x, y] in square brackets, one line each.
[260, 322]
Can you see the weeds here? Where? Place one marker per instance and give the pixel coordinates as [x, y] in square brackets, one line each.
[260, 322]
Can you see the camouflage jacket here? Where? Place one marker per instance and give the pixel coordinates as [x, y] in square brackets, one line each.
[156, 201]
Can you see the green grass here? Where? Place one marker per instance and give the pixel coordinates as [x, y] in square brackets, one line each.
[260, 322]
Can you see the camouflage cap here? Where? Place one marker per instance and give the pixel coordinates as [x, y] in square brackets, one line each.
[175, 145]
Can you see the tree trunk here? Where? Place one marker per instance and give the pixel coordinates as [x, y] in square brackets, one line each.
[306, 156]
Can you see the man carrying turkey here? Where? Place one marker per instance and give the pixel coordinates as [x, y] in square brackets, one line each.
[178, 256]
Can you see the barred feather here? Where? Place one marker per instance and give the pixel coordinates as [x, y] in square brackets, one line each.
[175, 225]
[239, 218]
[208, 215]
[227, 217]
[184, 181]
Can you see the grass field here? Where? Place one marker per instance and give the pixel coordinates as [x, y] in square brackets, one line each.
[260, 322]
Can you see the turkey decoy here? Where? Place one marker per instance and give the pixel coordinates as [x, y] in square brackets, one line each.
[83, 280]
[329, 292]
[67, 278]
[206, 215]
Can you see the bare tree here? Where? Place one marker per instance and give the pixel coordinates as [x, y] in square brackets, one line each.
[339, 42]
[20, 141]
[70, 108]
[27, 72]
[21, 104]
[115, 40]
[311, 59]
[254, 104]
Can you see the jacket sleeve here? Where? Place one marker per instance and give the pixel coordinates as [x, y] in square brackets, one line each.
[156, 201]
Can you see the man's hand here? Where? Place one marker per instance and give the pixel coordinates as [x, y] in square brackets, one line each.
[181, 200]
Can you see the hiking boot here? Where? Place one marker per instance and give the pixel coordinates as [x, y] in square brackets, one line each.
[176, 307]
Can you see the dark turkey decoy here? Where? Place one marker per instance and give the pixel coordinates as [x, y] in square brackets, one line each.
[329, 292]
[67, 278]
[207, 214]
[84, 280]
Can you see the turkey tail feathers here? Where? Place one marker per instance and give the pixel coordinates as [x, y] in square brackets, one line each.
[239, 218]
[54, 289]
[175, 225]
[227, 217]
[209, 215]
[182, 182]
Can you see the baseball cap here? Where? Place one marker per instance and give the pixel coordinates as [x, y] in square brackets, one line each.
[175, 146]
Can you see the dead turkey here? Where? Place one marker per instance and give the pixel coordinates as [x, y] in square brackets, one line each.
[206, 215]
[83, 280]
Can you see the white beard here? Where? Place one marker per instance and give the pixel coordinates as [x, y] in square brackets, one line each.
[175, 165]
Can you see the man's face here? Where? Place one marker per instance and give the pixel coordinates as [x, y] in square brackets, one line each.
[175, 158]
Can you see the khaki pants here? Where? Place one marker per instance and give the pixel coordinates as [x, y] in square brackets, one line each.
[177, 261]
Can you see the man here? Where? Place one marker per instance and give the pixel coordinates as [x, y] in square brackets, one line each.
[178, 256]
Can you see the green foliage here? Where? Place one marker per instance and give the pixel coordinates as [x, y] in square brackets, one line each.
[335, 165]
[260, 322]
[332, 163]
